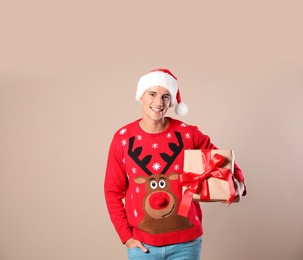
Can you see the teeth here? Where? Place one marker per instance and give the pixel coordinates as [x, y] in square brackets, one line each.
[157, 109]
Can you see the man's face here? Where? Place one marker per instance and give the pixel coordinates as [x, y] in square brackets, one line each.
[155, 103]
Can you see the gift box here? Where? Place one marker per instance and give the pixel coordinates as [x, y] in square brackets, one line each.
[207, 177]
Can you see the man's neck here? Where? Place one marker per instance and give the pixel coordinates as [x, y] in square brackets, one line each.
[153, 127]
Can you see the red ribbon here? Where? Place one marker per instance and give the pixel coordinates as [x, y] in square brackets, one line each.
[197, 183]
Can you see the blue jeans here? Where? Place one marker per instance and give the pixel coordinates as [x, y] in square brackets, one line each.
[184, 251]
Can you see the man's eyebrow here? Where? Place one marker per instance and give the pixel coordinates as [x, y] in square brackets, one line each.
[151, 92]
[155, 92]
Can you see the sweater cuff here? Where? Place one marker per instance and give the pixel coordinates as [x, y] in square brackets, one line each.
[125, 235]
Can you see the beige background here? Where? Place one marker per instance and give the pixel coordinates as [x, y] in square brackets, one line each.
[68, 72]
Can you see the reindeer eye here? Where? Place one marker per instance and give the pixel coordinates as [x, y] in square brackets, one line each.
[153, 184]
[162, 184]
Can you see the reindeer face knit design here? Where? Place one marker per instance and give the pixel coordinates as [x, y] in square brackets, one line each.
[159, 202]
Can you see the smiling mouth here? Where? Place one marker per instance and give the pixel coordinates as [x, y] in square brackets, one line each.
[172, 209]
[157, 110]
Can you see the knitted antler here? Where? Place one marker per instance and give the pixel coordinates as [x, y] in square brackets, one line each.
[176, 150]
[135, 156]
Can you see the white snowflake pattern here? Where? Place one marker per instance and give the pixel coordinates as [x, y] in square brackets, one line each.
[137, 190]
[156, 166]
[132, 196]
[139, 137]
[176, 167]
[135, 213]
[154, 145]
[197, 218]
[187, 135]
[123, 160]
[123, 131]
[124, 142]
[168, 135]
[134, 170]
[127, 176]
[183, 125]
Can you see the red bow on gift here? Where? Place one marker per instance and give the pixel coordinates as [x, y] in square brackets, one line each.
[197, 183]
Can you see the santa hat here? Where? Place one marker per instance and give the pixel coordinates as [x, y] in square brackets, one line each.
[163, 78]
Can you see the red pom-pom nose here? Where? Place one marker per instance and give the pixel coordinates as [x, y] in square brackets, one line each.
[159, 200]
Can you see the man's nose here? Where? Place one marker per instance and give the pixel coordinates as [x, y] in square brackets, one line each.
[158, 100]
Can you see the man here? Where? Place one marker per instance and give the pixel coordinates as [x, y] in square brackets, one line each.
[142, 186]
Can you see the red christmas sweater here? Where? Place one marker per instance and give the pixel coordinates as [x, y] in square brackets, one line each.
[142, 187]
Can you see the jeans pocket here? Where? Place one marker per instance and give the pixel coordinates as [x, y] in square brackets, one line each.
[133, 253]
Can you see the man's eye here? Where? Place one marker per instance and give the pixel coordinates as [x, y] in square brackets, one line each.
[166, 97]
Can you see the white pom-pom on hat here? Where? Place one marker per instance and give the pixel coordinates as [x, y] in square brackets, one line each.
[164, 78]
[181, 108]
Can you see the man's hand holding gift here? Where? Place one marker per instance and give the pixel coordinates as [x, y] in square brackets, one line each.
[239, 188]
